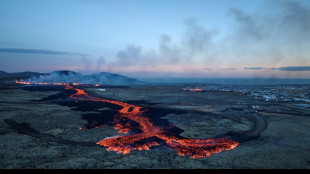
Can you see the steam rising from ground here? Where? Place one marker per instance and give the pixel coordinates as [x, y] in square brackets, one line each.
[93, 79]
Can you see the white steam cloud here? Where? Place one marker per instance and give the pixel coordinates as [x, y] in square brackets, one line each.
[93, 79]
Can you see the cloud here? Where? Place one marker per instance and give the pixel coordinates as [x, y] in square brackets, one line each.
[247, 25]
[270, 36]
[229, 69]
[208, 69]
[89, 64]
[274, 34]
[254, 68]
[100, 63]
[36, 51]
[259, 68]
[131, 55]
[294, 21]
[295, 68]
[167, 51]
[86, 62]
[286, 20]
[288, 68]
[195, 42]
[196, 39]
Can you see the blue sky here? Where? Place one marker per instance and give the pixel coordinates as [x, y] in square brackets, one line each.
[204, 38]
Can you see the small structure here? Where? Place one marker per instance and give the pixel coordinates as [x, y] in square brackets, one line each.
[101, 89]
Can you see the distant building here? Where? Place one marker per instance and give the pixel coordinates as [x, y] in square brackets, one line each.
[101, 89]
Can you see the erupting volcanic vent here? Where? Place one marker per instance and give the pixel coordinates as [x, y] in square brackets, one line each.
[141, 132]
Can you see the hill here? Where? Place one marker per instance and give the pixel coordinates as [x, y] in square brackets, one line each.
[65, 76]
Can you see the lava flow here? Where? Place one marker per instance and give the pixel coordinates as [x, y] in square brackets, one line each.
[149, 134]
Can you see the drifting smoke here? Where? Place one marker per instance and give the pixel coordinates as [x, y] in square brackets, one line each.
[274, 35]
[102, 78]
[88, 64]
[167, 51]
[130, 56]
[196, 39]
[194, 43]
[100, 63]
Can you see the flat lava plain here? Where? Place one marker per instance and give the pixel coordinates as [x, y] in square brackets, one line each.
[41, 134]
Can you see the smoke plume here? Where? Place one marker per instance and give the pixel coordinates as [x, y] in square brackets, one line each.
[102, 78]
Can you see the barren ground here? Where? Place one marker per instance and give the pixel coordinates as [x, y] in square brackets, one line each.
[46, 135]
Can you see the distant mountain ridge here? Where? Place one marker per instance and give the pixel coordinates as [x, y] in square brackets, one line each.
[18, 75]
[2, 72]
[65, 76]
[64, 72]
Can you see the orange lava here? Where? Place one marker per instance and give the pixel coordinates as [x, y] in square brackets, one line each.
[192, 89]
[195, 90]
[195, 148]
[23, 83]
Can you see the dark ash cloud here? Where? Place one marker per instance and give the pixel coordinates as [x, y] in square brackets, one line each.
[36, 51]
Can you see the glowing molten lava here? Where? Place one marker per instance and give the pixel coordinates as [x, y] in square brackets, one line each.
[149, 134]
[195, 148]
[192, 89]
[23, 83]
[195, 90]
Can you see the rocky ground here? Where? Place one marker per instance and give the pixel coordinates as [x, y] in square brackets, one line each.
[36, 134]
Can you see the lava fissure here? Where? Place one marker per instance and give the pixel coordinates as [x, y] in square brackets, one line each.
[149, 134]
